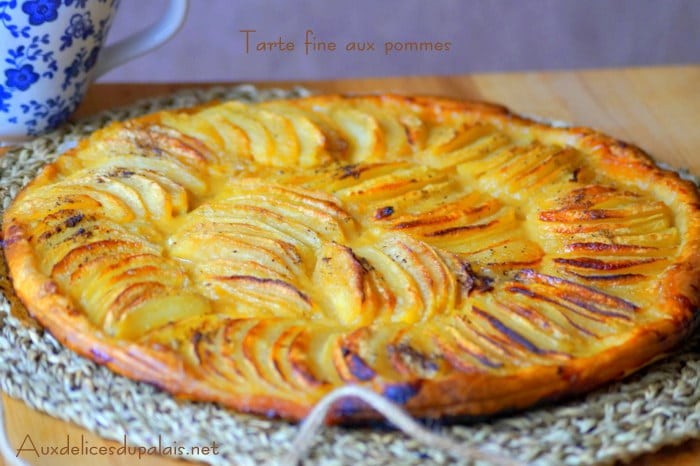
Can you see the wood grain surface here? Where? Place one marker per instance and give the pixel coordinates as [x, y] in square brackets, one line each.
[657, 109]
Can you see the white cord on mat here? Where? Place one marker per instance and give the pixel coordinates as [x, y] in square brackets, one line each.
[314, 422]
[311, 426]
[8, 454]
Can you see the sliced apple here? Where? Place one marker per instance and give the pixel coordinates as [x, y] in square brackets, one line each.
[311, 355]
[189, 179]
[396, 144]
[196, 126]
[158, 311]
[348, 296]
[262, 144]
[409, 305]
[363, 132]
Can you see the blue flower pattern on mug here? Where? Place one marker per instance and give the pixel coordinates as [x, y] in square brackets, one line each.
[91, 60]
[4, 95]
[21, 78]
[23, 59]
[73, 71]
[5, 18]
[56, 109]
[32, 53]
[41, 11]
[80, 28]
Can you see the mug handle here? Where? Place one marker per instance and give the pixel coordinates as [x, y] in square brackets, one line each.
[143, 41]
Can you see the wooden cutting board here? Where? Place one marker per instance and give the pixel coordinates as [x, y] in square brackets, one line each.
[657, 109]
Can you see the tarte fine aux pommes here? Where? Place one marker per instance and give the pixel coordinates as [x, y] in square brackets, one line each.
[451, 255]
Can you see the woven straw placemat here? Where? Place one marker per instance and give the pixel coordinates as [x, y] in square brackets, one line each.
[656, 407]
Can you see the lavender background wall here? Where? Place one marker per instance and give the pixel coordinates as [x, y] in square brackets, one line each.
[485, 36]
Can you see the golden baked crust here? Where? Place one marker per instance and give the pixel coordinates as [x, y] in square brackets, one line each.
[453, 256]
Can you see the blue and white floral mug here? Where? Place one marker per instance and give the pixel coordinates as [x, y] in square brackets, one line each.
[50, 52]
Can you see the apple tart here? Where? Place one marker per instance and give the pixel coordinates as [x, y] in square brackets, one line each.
[452, 256]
